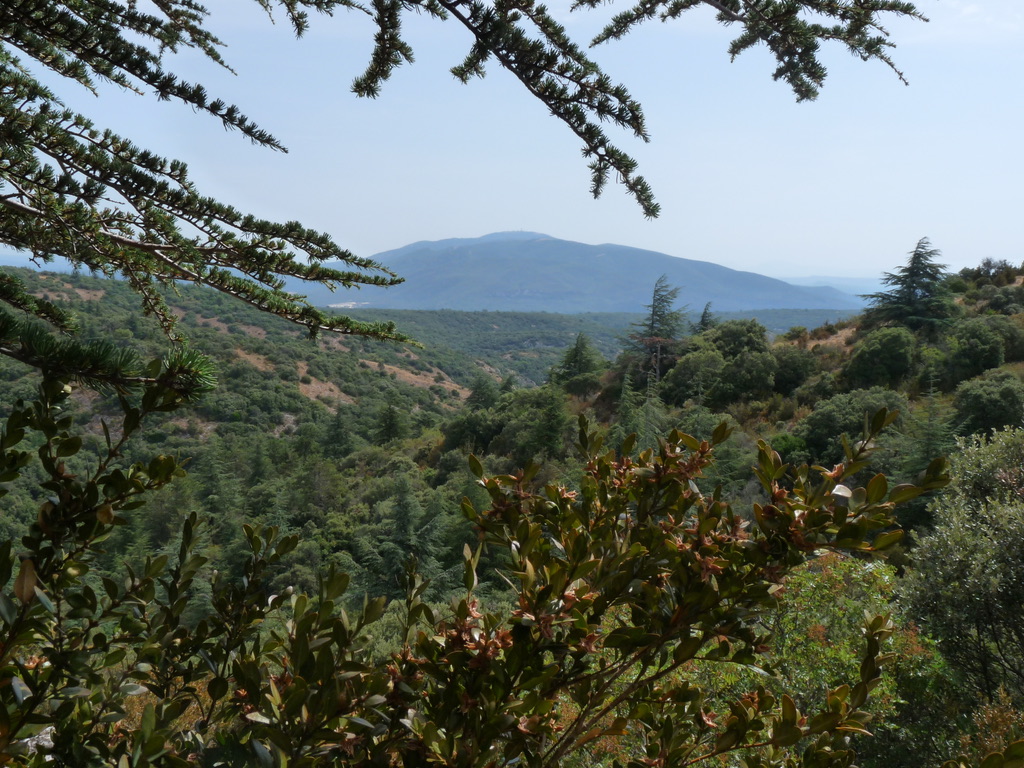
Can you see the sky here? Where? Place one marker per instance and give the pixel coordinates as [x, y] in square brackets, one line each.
[746, 177]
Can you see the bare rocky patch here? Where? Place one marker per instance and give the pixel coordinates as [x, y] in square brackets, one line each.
[322, 391]
[422, 379]
[259, 362]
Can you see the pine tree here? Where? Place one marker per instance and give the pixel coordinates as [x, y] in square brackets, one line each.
[483, 393]
[69, 187]
[391, 425]
[579, 359]
[630, 417]
[917, 297]
[662, 325]
[707, 320]
[577, 373]
[339, 441]
[285, 678]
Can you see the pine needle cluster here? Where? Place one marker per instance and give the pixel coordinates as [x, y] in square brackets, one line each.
[70, 188]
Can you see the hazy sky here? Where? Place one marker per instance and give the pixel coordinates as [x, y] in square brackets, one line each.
[746, 177]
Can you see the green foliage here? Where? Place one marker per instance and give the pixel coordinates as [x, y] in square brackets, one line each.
[883, 358]
[989, 402]
[816, 630]
[65, 171]
[652, 339]
[483, 393]
[738, 337]
[976, 347]
[793, 366]
[693, 377]
[391, 425]
[967, 585]
[640, 413]
[535, 423]
[918, 298]
[840, 417]
[728, 363]
[75, 190]
[748, 376]
[927, 432]
[997, 272]
[528, 344]
[620, 630]
[577, 373]
[525, 425]
[706, 322]
[128, 639]
[605, 583]
[1012, 334]
[733, 459]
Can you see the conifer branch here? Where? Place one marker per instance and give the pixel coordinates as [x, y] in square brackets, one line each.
[558, 73]
[70, 189]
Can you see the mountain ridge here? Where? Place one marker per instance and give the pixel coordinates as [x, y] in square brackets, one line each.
[533, 272]
[525, 271]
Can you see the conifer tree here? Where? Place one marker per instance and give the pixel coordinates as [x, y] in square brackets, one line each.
[391, 424]
[707, 320]
[577, 373]
[71, 188]
[579, 359]
[68, 188]
[662, 324]
[483, 393]
[916, 297]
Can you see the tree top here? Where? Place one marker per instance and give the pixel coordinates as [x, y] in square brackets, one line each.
[71, 188]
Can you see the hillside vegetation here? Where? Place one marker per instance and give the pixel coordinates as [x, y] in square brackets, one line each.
[361, 451]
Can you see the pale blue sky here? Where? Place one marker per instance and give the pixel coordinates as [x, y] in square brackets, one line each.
[746, 177]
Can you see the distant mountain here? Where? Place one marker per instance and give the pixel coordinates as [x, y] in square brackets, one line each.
[531, 272]
[853, 285]
[22, 259]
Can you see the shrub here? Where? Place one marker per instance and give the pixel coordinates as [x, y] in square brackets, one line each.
[989, 402]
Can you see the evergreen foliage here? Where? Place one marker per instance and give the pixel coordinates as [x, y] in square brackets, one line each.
[917, 297]
[989, 402]
[883, 358]
[747, 376]
[262, 453]
[693, 377]
[70, 188]
[578, 371]
[662, 320]
[793, 366]
[579, 359]
[74, 189]
[706, 322]
[976, 347]
[391, 424]
[652, 339]
[836, 420]
[287, 678]
[483, 393]
[734, 338]
[967, 586]
[593, 593]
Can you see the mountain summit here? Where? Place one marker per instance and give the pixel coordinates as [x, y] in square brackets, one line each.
[532, 272]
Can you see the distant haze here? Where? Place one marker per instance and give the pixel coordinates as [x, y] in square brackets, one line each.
[532, 272]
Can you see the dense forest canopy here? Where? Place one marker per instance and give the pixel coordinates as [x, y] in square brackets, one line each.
[289, 572]
[363, 456]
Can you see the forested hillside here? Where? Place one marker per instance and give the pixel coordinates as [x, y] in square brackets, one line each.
[229, 545]
[362, 450]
